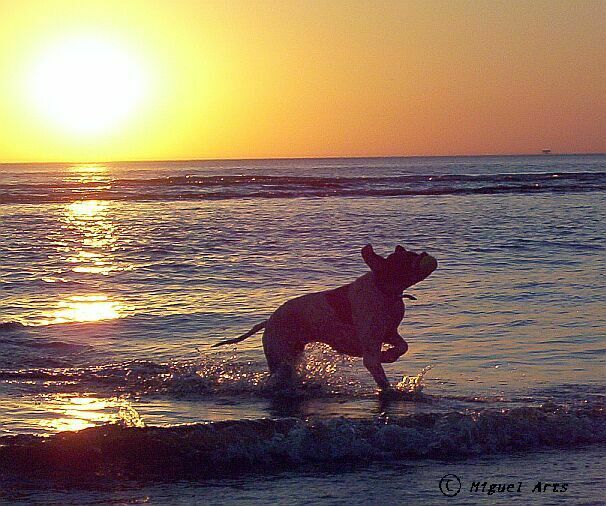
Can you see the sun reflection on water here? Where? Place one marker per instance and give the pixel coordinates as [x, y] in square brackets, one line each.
[71, 413]
[85, 168]
[86, 209]
[88, 174]
[87, 250]
[93, 237]
[86, 308]
[77, 413]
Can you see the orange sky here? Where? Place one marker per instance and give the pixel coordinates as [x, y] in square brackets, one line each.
[256, 79]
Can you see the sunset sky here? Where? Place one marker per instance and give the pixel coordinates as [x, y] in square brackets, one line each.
[187, 79]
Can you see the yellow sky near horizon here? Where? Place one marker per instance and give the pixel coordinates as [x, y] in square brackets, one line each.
[259, 79]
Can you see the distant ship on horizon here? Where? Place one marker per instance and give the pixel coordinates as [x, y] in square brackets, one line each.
[546, 151]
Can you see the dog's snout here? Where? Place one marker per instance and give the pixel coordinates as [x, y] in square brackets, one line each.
[427, 263]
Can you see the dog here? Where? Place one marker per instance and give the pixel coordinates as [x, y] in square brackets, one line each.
[356, 319]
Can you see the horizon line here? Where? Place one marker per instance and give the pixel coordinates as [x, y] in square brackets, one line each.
[278, 158]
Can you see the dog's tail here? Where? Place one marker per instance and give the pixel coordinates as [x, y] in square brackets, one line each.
[235, 340]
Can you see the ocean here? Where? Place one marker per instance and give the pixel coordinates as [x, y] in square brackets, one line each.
[116, 279]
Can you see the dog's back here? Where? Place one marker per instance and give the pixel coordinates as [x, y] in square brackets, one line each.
[333, 317]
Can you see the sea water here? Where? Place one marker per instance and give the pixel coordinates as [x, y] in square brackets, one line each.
[115, 280]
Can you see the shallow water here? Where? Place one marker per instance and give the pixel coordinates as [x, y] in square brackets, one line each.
[115, 280]
[384, 483]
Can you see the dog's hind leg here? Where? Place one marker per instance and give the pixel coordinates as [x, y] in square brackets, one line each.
[282, 353]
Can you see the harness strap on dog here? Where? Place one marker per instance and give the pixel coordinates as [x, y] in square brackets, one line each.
[339, 302]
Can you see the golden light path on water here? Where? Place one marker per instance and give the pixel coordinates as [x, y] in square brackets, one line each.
[76, 413]
[90, 221]
[87, 248]
[71, 412]
[86, 308]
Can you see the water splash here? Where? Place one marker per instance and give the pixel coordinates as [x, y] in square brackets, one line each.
[413, 385]
[128, 416]
[328, 370]
[321, 373]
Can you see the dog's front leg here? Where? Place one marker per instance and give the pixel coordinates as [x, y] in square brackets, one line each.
[372, 362]
[399, 347]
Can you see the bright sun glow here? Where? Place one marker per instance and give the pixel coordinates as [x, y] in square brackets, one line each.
[87, 85]
[88, 308]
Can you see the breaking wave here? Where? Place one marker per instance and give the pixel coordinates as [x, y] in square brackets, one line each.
[214, 374]
[218, 449]
[141, 377]
[200, 187]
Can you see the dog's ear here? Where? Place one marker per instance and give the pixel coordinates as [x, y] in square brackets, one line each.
[374, 261]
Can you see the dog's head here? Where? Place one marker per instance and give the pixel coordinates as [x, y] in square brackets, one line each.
[400, 270]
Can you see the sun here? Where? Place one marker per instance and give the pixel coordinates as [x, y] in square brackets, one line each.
[87, 85]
